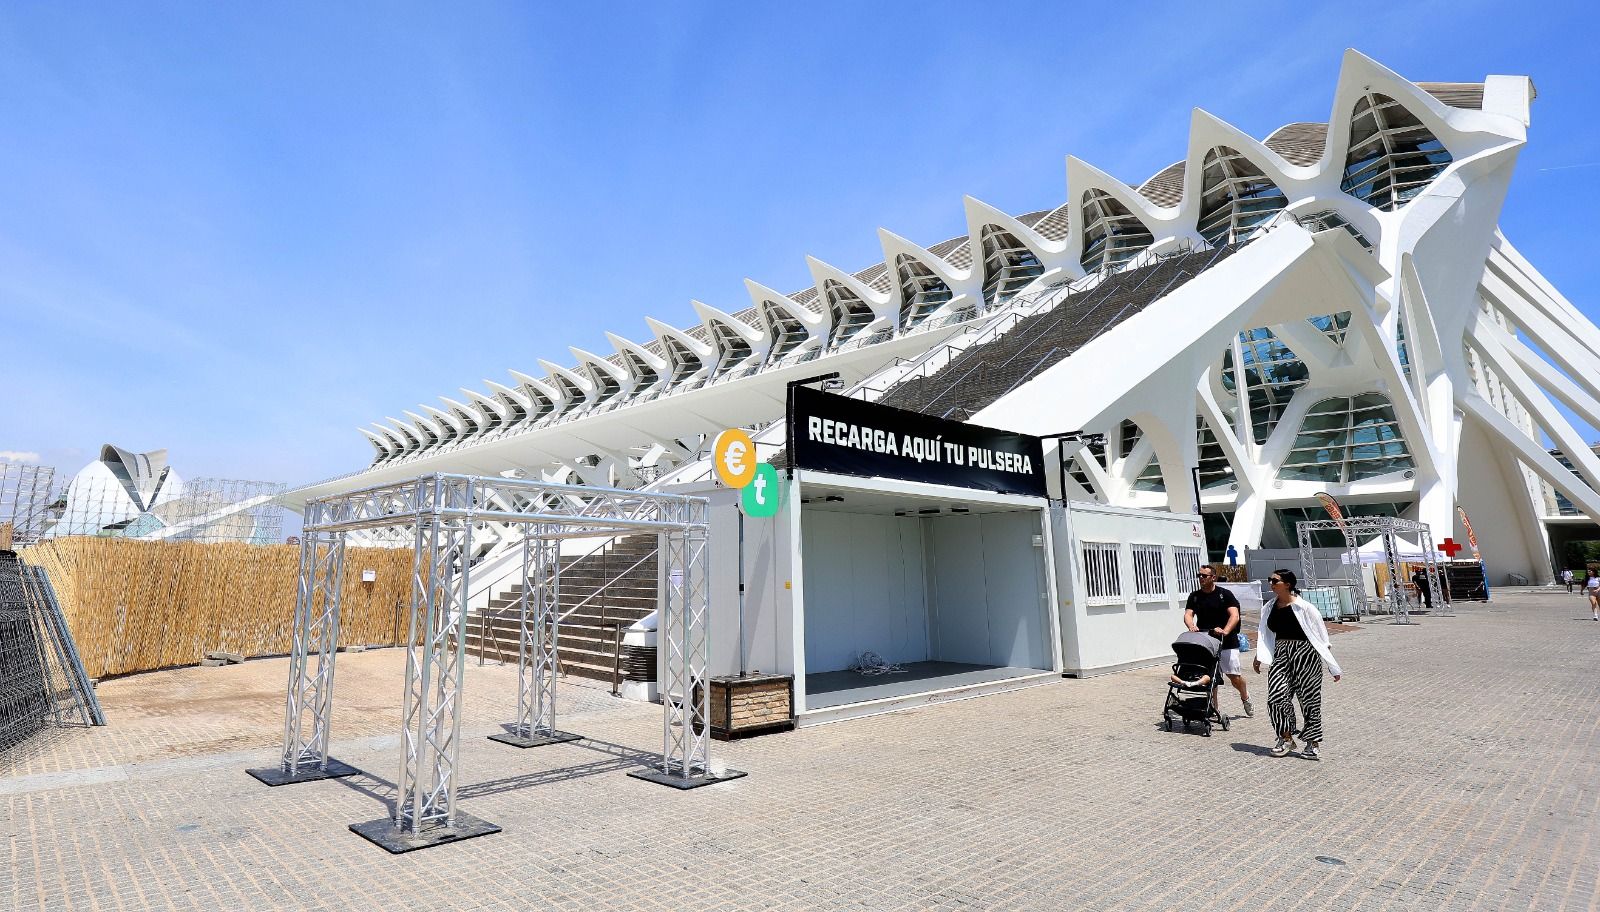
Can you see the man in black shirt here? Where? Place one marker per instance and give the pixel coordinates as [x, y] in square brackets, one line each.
[1215, 610]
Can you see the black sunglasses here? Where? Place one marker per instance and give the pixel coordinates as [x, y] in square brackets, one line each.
[1204, 575]
[1274, 579]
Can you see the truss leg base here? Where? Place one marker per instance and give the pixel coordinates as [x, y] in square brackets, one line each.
[684, 783]
[396, 840]
[516, 740]
[277, 775]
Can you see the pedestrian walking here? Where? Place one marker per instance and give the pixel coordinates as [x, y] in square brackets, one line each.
[1566, 577]
[1214, 610]
[1292, 640]
[1591, 591]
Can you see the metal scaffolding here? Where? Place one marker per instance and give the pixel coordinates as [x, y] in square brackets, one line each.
[25, 498]
[443, 511]
[1395, 601]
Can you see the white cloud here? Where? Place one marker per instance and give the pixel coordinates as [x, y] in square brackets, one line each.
[18, 456]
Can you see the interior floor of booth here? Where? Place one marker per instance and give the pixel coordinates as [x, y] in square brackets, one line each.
[838, 688]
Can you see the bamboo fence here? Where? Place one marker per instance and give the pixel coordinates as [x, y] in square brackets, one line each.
[141, 605]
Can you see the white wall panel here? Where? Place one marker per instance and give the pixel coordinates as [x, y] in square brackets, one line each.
[863, 589]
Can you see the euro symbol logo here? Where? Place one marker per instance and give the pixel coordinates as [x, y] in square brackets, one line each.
[733, 456]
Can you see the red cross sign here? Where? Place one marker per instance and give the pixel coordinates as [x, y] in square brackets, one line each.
[1450, 547]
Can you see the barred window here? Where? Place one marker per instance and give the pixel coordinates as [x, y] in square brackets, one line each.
[1102, 573]
[1149, 571]
[1186, 560]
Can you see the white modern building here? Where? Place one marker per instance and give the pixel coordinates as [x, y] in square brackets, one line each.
[1330, 308]
[115, 491]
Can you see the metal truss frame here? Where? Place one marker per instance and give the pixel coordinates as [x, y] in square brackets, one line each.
[1396, 601]
[539, 632]
[309, 704]
[442, 510]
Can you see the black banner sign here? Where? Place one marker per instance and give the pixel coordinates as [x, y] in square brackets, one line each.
[839, 434]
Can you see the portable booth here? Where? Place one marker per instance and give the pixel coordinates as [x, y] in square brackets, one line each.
[952, 585]
[1123, 575]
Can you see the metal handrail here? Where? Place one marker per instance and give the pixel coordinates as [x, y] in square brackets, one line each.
[568, 613]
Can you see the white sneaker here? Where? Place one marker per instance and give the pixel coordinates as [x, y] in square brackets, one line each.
[1283, 747]
[1310, 753]
[1248, 709]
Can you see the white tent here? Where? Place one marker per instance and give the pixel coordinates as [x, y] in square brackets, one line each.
[1372, 552]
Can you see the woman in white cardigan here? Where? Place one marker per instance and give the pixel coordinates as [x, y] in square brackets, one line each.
[1293, 641]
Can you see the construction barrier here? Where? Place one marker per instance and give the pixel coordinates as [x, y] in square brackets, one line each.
[142, 605]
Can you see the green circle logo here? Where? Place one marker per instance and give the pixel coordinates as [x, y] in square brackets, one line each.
[763, 495]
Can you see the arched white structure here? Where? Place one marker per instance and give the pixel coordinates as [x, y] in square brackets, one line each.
[1372, 333]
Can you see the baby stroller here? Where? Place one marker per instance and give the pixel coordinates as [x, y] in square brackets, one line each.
[1192, 689]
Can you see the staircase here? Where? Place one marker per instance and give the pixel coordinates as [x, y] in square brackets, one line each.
[984, 373]
[587, 644]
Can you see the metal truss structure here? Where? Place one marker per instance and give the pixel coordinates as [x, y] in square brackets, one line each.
[539, 626]
[444, 512]
[25, 500]
[1395, 601]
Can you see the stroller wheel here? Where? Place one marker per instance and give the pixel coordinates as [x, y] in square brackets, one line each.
[1169, 723]
[1224, 723]
[1206, 732]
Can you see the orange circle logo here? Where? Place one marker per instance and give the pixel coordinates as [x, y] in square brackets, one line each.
[733, 455]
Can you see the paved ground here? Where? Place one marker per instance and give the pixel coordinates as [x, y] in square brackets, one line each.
[1462, 772]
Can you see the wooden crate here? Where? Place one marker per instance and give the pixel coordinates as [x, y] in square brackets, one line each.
[754, 704]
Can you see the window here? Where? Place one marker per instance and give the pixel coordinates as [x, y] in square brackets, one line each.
[732, 348]
[1346, 439]
[1236, 198]
[1215, 470]
[1102, 573]
[1111, 233]
[1334, 326]
[1186, 560]
[1289, 519]
[1150, 477]
[1392, 157]
[1328, 218]
[685, 363]
[921, 292]
[787, 332]
[1149, 572]
[850, 314]
[1008, 265]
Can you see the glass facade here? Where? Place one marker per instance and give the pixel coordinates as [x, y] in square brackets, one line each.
[1290, 517]
[1333, 326]
[644, 376]
[1111, 233]
[787, 332]
[1215, 470]
[1328, 218]
[1008, 265]
[1236, 198]
[1150, 478]
[1271, 372]
[1345, 439]
[850, 313]
[685, 363]
[1392, 155]
[732, 348]
[921, 292]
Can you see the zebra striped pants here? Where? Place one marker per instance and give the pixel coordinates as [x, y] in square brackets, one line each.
[1296, 672]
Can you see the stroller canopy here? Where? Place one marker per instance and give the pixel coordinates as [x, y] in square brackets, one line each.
[1194, 646]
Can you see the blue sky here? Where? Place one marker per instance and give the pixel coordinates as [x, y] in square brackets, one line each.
[238, 232]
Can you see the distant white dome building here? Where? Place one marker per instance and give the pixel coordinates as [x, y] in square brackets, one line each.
[116, 490]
